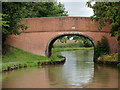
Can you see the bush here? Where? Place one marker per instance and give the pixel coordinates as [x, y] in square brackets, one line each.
[60, 56]
[87, 43]
[81, 44]
[118, 64]
[52, 58]
[102, 48]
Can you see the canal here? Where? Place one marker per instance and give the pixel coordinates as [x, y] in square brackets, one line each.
[79, 71]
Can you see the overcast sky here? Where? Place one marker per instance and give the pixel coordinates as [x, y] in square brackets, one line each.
[77, 8]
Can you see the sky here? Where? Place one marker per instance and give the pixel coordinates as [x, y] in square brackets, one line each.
[77, 8]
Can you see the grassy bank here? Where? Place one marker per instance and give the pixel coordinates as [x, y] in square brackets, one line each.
[70, 45]
[17, 58]
[70, 49]
[109, 59]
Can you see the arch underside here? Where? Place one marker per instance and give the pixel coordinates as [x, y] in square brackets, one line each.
[48, 52]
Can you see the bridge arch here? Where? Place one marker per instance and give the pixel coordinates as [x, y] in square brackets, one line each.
[42, 33]
[54, 38]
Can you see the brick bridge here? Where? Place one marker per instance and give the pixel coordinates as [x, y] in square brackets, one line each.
[42, 33]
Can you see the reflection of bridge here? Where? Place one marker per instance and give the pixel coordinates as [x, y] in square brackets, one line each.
[42, 32]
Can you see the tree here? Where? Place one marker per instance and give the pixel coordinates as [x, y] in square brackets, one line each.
[63, 39]
[13, 12]
[4, 24]
[83, 41]
[107, 12]
[45, 9]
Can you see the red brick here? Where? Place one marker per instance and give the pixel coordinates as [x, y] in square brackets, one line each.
[41, 30]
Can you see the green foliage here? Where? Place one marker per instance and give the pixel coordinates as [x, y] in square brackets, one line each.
[76, 42]
[52, 58]
[18, 65]
[102, 47]
[45, 9]
[80, 44]
[118, 65]
[107, 13]
[87, 43]
[16, 58]
[113, 57]
[13, 54]
[60, 56]
[63, 39]
[66, 45]
[84, 42]
[4, 23]
[13, 12]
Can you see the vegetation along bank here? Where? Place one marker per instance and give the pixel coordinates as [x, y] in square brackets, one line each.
[103, 56]
[15, 58]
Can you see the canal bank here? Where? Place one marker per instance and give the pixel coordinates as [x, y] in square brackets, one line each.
[15, 58]
[79, 71]
[109, 59]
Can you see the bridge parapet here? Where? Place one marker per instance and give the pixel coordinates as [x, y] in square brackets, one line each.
[57, 24]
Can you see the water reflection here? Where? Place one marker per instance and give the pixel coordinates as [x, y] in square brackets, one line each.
[79, 71]
[105, 76]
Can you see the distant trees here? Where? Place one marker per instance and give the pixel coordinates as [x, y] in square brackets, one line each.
[107, 12]
[85, 42]
[79, 40]
[13, 12]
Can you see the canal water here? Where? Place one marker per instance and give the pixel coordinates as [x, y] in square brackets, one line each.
[79, 71]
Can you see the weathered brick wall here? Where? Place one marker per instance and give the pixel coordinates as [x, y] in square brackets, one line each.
[41, 30]
[53, 24]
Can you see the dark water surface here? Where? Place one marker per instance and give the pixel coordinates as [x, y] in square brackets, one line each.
[79, 71]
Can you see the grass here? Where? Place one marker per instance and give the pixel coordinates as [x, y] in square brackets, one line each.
[109, 59]
[69, 49]
[17, 58]
[18, 55]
